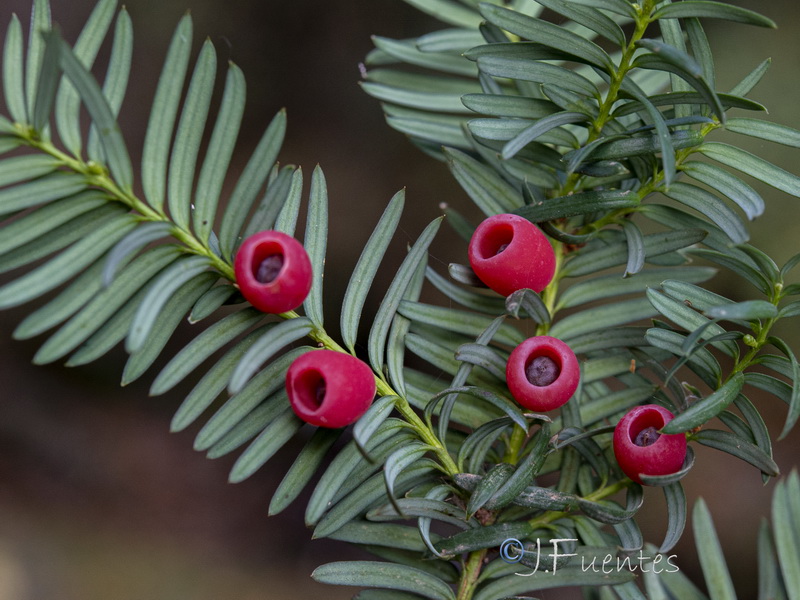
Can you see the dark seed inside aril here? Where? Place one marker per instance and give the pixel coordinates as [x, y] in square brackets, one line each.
[542, 371]
[269, 268]
[500, 249]
[319, 393]
[647, 437]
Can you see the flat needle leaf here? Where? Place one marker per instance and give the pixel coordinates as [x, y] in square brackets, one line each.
[366, 269]
[163, 114]
[316, 241]
[388, 308]
[218, 155]
[189, 134]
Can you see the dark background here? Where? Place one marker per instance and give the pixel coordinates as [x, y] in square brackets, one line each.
[99, 501]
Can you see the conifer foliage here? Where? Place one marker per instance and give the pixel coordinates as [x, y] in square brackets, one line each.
[595, 120]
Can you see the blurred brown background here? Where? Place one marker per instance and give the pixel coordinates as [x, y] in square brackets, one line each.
[99, 501]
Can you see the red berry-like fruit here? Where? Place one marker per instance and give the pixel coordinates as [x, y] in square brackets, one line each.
[273, 271]
[509, 253]
[329, 389]
[542, 373]
[641, 450]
